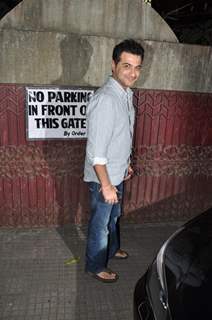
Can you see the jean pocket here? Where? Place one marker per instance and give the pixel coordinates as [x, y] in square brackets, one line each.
[119, 196]
[91, 189]
[94, 187]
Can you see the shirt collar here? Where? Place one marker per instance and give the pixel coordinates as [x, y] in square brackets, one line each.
[119, 89]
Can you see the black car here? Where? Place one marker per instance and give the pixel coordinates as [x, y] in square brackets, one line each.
[178, 283]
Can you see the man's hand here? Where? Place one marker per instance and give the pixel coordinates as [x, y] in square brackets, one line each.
[109, 193]
[129, 173]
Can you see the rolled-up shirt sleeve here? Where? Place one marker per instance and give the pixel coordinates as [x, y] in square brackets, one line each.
[100, 115]
[97, 160]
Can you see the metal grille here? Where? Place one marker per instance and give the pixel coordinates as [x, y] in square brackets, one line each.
[41, 182]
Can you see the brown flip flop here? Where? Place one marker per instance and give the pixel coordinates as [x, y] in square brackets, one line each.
[96, 276]
[121, 254]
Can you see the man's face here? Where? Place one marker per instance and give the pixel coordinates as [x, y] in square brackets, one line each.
[127, 70]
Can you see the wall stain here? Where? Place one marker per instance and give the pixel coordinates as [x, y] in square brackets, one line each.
[76, 53]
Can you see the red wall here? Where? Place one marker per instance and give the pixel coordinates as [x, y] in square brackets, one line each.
[41, 182]
[172, 156]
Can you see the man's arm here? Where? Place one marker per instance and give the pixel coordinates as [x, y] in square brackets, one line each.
[108, 190]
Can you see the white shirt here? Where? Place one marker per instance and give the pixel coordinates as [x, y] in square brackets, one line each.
[110, 122]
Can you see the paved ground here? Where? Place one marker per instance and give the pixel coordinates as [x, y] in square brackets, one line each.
[37, 283]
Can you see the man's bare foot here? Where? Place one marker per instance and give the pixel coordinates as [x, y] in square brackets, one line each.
[105, 276]
[121, 254]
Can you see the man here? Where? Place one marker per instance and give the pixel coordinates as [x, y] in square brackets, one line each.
[110, 119]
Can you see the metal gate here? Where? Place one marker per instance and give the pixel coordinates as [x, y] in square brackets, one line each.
[41, 181]
[172, 156]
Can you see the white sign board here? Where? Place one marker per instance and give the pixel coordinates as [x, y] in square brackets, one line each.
[54, 113]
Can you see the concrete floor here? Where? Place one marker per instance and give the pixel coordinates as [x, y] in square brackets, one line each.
[42, 273]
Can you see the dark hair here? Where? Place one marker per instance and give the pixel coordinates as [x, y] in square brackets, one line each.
[130, 46]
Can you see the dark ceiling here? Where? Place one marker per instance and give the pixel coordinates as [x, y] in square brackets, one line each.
[7, 5]
[191, 20]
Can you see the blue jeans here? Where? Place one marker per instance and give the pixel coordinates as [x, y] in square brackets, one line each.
[103, 231]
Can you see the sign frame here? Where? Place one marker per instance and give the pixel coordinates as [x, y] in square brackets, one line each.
[56, 112]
